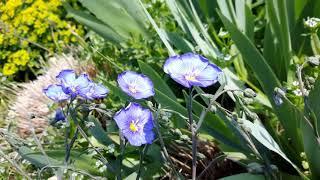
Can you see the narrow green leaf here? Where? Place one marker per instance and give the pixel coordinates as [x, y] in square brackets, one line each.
[287, 113]
[156, 79]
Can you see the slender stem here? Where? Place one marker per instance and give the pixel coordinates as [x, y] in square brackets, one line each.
[122, 147]
[163, 147]
[203, 114]
[71, 144]
[194, 137]
[142, 153]
[210, 164]
[83, 134]
[66, 143]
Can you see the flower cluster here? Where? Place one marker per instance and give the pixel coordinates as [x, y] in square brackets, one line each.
[29, 28]
[312, 23]
[134, 121]
[72, 86]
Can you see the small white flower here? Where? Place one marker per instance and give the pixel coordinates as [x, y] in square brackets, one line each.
[295, 83]
[99, 163]
[312, 22]
[102, 169]
[297, 92]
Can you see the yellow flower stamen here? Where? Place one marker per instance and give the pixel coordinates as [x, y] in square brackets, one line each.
[191, 77]
[133, 127]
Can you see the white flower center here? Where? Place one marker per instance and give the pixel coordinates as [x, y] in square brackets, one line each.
[133, 89]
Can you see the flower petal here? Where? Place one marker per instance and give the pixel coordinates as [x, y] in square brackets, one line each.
[142, 120]
[56, 93]
[67, 77]
[136, 85]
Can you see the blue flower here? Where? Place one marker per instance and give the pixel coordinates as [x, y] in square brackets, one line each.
[136, 124]
[72, 84]
[138, 86]
[192, 70]
[93, 91]
[59, 116]
[56, 93]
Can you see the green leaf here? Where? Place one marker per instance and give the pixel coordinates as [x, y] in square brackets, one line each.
[312, 148]
[179, 42]
[287, 113]
[124, 17]
[312, 104]
[98, 132]
[261, 134]
[95, 24]
[244, 176]
[156, 79]
[36, 159]
[279, 27]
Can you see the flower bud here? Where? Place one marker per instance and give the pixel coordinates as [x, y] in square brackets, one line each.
[313, 60]
[249, 93]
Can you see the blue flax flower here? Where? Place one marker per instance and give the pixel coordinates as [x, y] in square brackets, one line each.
[56, 93]
[93, 91]
[192, 70]
[138, 86]
[136, 124]
[71, 83]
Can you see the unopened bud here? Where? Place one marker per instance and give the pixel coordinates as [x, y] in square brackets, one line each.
[313, 60]
[249, 93]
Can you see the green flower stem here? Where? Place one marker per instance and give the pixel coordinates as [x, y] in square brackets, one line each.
[75, 136]
[122, 148]
[142, 154]
[163, 147]
[194, 136]
[83, 134]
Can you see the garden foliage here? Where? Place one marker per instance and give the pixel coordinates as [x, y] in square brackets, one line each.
[254, 90]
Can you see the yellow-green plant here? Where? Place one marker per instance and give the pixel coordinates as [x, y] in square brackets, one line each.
[29, 29]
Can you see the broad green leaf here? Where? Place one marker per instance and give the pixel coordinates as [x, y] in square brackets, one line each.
[156, 79]
[262, 135]
[124, 17]
[36, 159]
[311, 147]
[95, 24]
[98, 133]
[179, 42]
[244, 176]
[312, 103]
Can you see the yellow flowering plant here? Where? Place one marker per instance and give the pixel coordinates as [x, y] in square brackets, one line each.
[30, 29]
